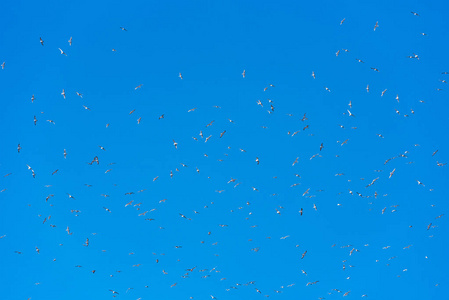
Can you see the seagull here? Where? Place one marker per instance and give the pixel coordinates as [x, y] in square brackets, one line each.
[350, 114]
[180, 75]
[123, 28]
[375, 26]
[392, 172]
[138, 87]
[313, 74]
[62, 52]
[42, 41]
[296, 161]
[70, 41]
[63, 93]
[341, 22]
[415, 14]
[244, 73]
[3, 65]
[383, 93]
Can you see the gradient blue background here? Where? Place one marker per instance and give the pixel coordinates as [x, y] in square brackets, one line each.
[211, 43]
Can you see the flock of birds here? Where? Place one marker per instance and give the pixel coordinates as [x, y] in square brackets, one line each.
[148, 214]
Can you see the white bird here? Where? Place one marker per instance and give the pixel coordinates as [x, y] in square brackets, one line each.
[62, 52]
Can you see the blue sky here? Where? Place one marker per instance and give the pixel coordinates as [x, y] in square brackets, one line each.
[239, 239]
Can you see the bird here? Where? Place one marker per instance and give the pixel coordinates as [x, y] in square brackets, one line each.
[123, 28]
[414, 13]
[63, 93]
[62, 52]
[296, 161]
[376, 26]
[41, 41]
[180, 75]
[341, 22]
[244, 73]
[392, 172]
[70, 41]
[138, 87]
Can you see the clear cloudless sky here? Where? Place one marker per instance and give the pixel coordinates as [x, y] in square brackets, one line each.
[242, 232]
